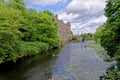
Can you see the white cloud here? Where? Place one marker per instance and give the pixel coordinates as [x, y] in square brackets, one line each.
[84, 15]
[100, 19]
[42, 2]
[67, 17]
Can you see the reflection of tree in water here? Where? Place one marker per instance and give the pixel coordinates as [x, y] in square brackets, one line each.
[38, 67]
[76, 61]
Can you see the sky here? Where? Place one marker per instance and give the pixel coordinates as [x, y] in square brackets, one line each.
[85, 16]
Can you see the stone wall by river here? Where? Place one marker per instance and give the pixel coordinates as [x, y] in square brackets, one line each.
[63, 30]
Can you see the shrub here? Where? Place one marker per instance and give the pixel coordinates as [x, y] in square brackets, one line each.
[10, 46]
[74, 37]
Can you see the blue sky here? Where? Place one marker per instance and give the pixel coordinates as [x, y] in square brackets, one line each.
[85, 16]
[54, 6]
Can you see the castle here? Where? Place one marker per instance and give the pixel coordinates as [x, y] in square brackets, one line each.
[63, 30]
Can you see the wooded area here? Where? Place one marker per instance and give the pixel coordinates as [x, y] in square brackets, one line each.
[25, 32]
[109, 35]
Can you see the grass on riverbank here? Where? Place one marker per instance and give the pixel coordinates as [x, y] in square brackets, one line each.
[95, 46]
[101, 52]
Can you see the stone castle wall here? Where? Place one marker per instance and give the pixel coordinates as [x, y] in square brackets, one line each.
[63, 30]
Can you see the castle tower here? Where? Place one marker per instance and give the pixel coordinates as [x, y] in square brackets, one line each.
[63, 29]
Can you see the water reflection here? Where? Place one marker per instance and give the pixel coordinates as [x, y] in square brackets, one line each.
[38, 67]
[76, 61]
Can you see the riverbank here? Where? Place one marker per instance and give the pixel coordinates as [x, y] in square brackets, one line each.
[26, 33]
[75, 61]
[101, 52]
[112, 73]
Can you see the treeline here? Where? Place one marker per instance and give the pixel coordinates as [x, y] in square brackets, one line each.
[87, 36]
[109, 35]
[25, 32]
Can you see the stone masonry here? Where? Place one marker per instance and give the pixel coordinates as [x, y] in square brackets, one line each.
[63, 30]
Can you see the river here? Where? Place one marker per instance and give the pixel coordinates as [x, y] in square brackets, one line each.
[75, 61]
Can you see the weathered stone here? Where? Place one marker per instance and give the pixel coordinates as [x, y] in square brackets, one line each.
[80, 39]
[63, 30]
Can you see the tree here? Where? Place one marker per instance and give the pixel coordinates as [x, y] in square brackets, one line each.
[97, 35]
[1, 2]
[111, 38]
[25, 32]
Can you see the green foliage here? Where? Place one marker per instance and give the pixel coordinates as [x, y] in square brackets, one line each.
[87, 36]
[108, 41]
[117, 56]
[1, 2]
[10, 46]
[74, 37]
[25, 32]
[110, 38]
[112, 74]
[95, 46]
[97, 35]
[32, 48]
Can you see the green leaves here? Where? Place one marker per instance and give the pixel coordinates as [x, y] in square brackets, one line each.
[10, 45]
[74, 37]
[111, 37]
[25, 32]
[97, 35]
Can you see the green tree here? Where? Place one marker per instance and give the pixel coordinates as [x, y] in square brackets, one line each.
[74, 37]
[1, 2]
[87, 36]
[97, 35]
[110, 38]
[25, 32]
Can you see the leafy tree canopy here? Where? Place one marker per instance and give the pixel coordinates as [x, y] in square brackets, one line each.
[25, 31]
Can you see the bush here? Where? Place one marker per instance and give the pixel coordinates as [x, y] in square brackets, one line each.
[32, 48]
[87, 36]
[10, 46]
[74, 37]
[25, 32]
[97, 35]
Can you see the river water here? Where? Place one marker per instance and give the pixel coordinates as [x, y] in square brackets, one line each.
[75, 61]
